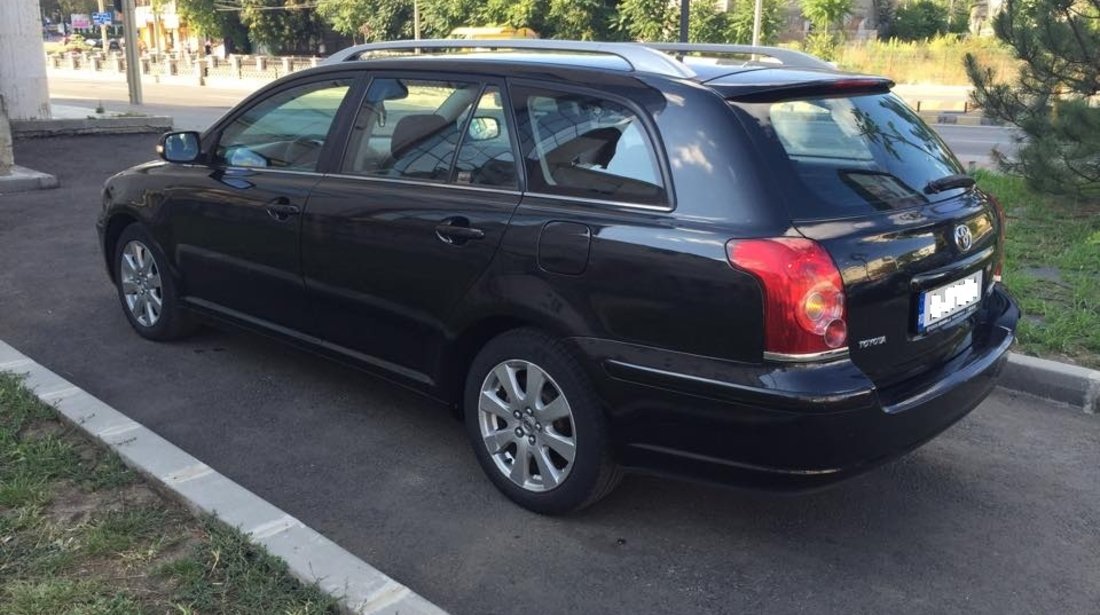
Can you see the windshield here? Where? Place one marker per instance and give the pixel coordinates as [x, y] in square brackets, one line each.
[851, 155]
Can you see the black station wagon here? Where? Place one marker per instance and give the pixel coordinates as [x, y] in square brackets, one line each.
[726, 263]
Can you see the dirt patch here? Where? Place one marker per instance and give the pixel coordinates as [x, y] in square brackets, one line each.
[42, 429]
[73, 505]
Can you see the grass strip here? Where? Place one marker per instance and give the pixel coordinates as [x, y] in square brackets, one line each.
[1052, 266]
[82, 534]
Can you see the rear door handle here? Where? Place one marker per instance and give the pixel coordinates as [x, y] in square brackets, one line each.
[280, 210]
[457, 231]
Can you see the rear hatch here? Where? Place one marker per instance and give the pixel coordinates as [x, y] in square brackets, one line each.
[916, 244]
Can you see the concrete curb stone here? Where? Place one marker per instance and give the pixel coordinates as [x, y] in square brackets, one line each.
[310, 557]
[23, 179]
[30, 129]
[1075, 386]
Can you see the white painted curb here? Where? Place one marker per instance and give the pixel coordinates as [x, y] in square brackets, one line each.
[312, 558]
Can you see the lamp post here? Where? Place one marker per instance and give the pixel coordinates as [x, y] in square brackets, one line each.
[685, 19]
[133, 66]
[757, 21]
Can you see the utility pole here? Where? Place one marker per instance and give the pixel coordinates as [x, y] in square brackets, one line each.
[133, 66]
[757, 22]
[416, 19]
[103, 28]
[7, 156]
[23, 60]
[685, 19]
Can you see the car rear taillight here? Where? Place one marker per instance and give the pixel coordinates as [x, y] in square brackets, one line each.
[1002, 219]
[804, 309]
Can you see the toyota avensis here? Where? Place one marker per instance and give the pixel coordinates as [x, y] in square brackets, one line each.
[606, 257]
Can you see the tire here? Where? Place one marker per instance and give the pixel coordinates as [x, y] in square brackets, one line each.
[142, 279]
[497, 387]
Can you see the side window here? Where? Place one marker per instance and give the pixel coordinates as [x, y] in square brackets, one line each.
[410, 128]
[285, 131]
[485, 158]
[583, 145]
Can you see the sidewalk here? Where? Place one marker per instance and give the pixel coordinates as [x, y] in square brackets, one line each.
[191, 107]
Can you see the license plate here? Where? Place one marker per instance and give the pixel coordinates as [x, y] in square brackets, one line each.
[938, 306]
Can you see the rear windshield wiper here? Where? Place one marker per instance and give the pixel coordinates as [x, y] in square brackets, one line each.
[958, 180]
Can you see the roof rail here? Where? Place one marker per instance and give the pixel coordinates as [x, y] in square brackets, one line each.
[788, 57]
[639, 57]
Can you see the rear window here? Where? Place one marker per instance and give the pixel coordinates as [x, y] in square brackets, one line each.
[851, 155]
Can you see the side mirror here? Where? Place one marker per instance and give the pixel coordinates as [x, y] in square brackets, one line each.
[483, 129]
[179, 146]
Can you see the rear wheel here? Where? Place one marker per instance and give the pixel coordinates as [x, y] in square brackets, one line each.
[146, 288]
[536, 426]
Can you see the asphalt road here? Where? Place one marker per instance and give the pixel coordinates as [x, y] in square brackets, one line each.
[1001, 514]
[195, 108]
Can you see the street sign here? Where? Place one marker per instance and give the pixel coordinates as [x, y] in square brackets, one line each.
[105, 18]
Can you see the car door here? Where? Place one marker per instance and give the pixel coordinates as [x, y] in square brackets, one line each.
[235, 221]
[424, 192]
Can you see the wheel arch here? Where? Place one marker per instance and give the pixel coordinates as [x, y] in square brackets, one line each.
[116, 224]
[460, 352]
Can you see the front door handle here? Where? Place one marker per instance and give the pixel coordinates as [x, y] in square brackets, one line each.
[457, 231]
[281, 210]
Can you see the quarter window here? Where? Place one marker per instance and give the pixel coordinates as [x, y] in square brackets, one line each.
[587, 146]
[285, 131]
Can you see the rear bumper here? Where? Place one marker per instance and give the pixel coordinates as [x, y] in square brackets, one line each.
[786, 426]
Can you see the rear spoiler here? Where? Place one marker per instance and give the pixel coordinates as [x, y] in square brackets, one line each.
[833, 86]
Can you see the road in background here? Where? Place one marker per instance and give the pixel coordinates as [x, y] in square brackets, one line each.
[997, 515]
[195, 108]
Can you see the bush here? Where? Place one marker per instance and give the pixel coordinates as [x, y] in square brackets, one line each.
[921, 20]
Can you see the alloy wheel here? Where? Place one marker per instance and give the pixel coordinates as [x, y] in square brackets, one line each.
[527, 425]
[141, 284]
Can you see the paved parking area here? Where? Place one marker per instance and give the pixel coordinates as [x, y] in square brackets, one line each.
[999, 515]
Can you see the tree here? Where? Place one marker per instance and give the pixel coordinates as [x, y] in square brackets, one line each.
[1058, 44]
[439, 17]
[741, 15]
[648, 20]
[282, 26]
[825, 14]
[579, 19]
[373, 20]
[203, 16]
[920, 20]
[706, 24]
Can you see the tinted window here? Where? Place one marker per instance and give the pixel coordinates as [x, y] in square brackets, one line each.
[286, 130]
[852, 155]
[581, 145]
[410, 128]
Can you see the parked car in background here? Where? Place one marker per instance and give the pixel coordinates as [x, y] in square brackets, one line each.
[757, 272]
[491, 33]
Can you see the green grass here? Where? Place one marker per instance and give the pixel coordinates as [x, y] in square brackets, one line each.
[68, 596]
[81, 535]
[225, 569]
[1062, 314]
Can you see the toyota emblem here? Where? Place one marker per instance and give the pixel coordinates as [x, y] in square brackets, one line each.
[963, 237]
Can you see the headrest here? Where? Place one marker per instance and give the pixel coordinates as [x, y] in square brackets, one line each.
[412, 130]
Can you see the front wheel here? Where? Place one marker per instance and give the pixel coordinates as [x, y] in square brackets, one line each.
[146, 288]
[536, 426]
